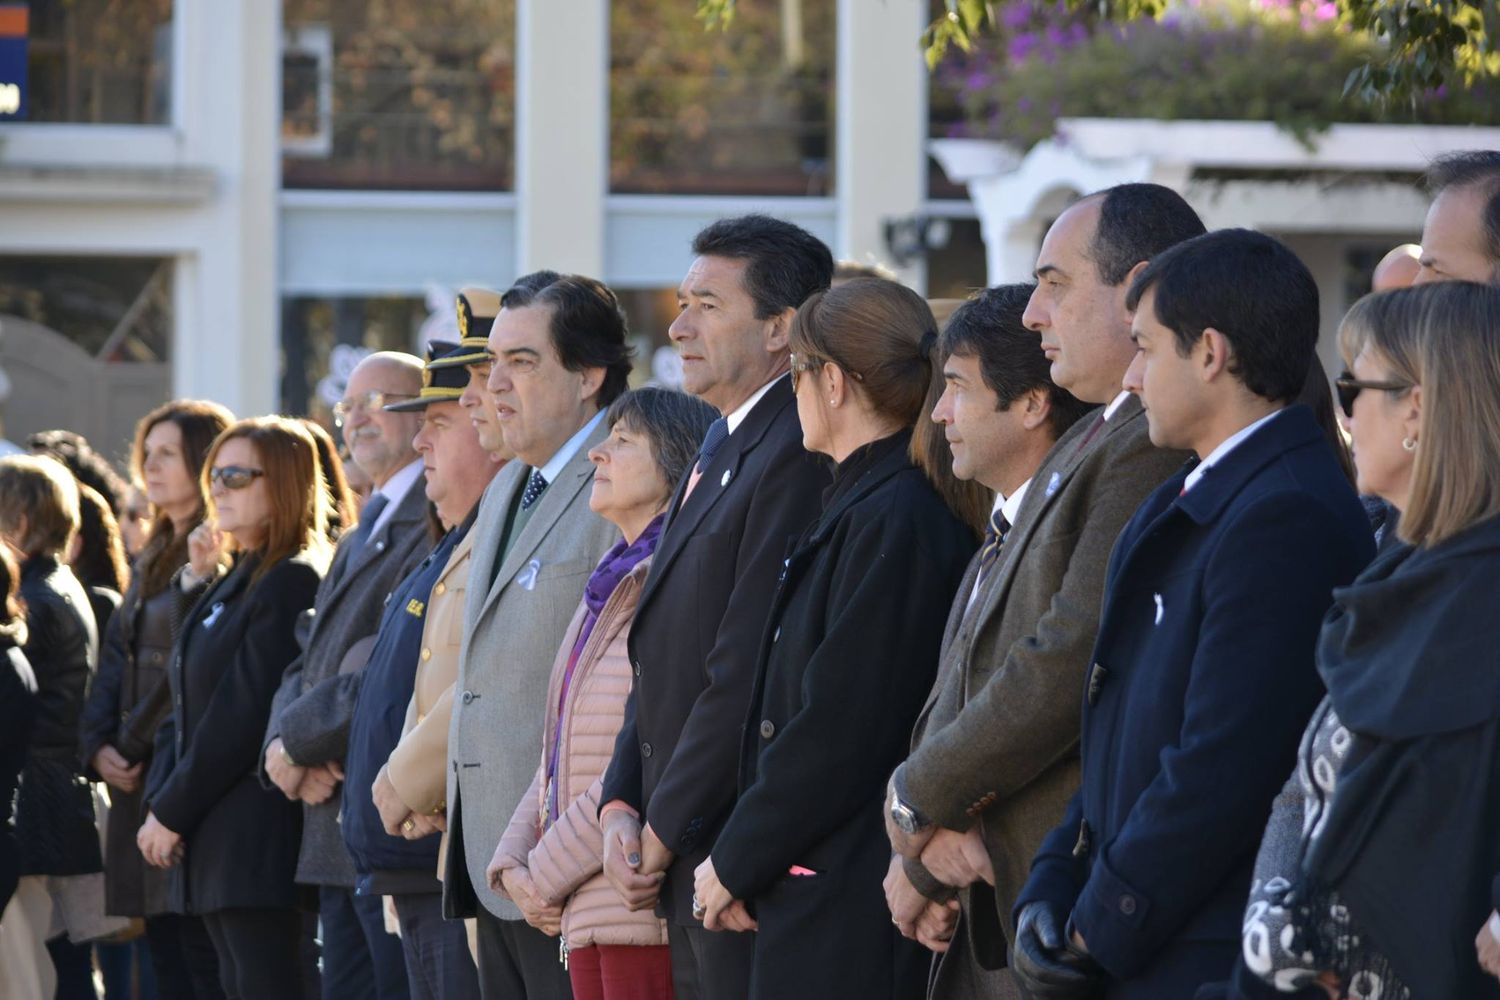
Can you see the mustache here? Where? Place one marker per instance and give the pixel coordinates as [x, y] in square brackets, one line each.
[366, 433]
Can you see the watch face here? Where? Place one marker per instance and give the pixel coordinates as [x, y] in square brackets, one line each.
[904, 818]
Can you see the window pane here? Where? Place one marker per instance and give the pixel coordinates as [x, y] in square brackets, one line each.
[99, 61]
[316, 337]
[747, 111]
[386, 94]
[117, 309]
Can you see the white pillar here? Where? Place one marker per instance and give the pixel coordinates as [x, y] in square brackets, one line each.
[227, 343]
[881, 126]
[562, 134]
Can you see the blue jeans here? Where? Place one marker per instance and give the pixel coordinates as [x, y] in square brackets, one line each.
[438, 962]
[360, 960]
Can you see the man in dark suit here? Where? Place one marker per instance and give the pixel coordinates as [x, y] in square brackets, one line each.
[698, 628]
[307, 734]
[995, 754]
[1202, 676]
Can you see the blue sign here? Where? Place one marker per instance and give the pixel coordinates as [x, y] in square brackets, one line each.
[13, 22]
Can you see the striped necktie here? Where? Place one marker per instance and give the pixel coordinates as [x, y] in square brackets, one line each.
[994, 538]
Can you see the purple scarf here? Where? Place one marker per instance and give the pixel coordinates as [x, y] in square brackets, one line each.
[614, 567]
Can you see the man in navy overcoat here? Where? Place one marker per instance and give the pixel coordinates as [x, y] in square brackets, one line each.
[1202, 676]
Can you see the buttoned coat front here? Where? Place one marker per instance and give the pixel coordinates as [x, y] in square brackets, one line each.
[418, 766]
[315, 703]
[697, 632]
[1201, 683]
[512, 627]
[997, 743]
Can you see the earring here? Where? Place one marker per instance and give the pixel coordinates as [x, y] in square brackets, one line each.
[1410, 444]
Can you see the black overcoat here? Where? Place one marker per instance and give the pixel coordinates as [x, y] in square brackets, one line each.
[240, 840]
[849, 652]
[55, 808]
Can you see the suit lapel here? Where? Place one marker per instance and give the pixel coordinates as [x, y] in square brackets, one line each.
[1051, 479]
[723, 471]
[352, 557]
[554, 502]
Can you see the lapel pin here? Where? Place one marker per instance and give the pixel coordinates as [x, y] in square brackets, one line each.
[1159, 608]
[526, 579]
[213, 614]
[724, 481]
[1054, 483]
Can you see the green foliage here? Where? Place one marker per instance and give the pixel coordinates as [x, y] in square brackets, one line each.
[1420, 44]
[1201, 67]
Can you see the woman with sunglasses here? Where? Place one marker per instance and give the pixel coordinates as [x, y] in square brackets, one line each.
[1373, 872]
[232, 845]
[129, 697]
[847, 658]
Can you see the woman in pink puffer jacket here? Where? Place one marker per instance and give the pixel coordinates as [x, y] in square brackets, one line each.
[550, 859]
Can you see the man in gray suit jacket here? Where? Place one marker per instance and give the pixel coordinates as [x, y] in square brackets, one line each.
[995, 755]
[308, 728]
[559, 357]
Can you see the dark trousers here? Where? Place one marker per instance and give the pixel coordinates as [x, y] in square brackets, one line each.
[438, 963]
[75, 968]
[710, 965]
[621, 972]
[519, 962]
[183, 959]
[126, 969]
[360, 960]
[257, 950]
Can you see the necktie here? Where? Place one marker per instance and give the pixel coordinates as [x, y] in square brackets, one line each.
[534, 489]
[717, 432]
[994, 538]
[369, 515]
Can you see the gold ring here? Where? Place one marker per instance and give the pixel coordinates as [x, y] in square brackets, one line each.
[408, 826]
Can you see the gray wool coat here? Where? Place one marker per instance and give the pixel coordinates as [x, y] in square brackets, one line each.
[997, 743]
[515, 617]
[315, 703]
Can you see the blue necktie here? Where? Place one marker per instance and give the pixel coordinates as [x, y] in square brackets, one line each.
[717, 432]
[534, 489]
[994, 538]
[369, 515]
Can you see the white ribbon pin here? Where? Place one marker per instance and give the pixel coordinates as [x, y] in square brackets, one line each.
[1159, 607]
[213, 614]
[1054, 483]
[526, 579]
[725, 480]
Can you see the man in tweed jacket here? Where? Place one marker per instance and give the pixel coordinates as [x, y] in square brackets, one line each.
[995, 756]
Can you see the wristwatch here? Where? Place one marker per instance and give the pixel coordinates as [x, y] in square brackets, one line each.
[906, 818]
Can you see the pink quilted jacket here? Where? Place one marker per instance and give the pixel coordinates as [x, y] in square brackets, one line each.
[565, 862]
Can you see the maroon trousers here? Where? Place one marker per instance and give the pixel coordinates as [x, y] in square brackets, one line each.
[621, 972]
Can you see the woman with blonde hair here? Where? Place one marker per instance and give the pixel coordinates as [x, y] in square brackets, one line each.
[130, 696]
[1374, 869]
[231, 845]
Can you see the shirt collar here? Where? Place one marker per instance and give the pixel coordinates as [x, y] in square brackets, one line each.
[1115, 404]
[733, 420]
[1011, 506]
[1224, 448]
[400, 483]
[565, 454]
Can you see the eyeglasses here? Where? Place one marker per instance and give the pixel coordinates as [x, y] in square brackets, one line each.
[1350, 387]
[234, 477]
[809, 364]
[369, 402]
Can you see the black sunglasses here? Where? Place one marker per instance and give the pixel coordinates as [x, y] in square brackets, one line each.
[234, 477]
[1349, 388]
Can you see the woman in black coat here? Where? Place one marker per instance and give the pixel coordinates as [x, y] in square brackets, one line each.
[231, 845]
[1373, 876]
[849, 654]
[17, 715]
[130, 697]
[55, 807]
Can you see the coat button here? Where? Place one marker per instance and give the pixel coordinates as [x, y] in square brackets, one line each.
[468, 696]
[646, 750]
[767, 729]
[1127, 905]
[426, 655]
[440, 589]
